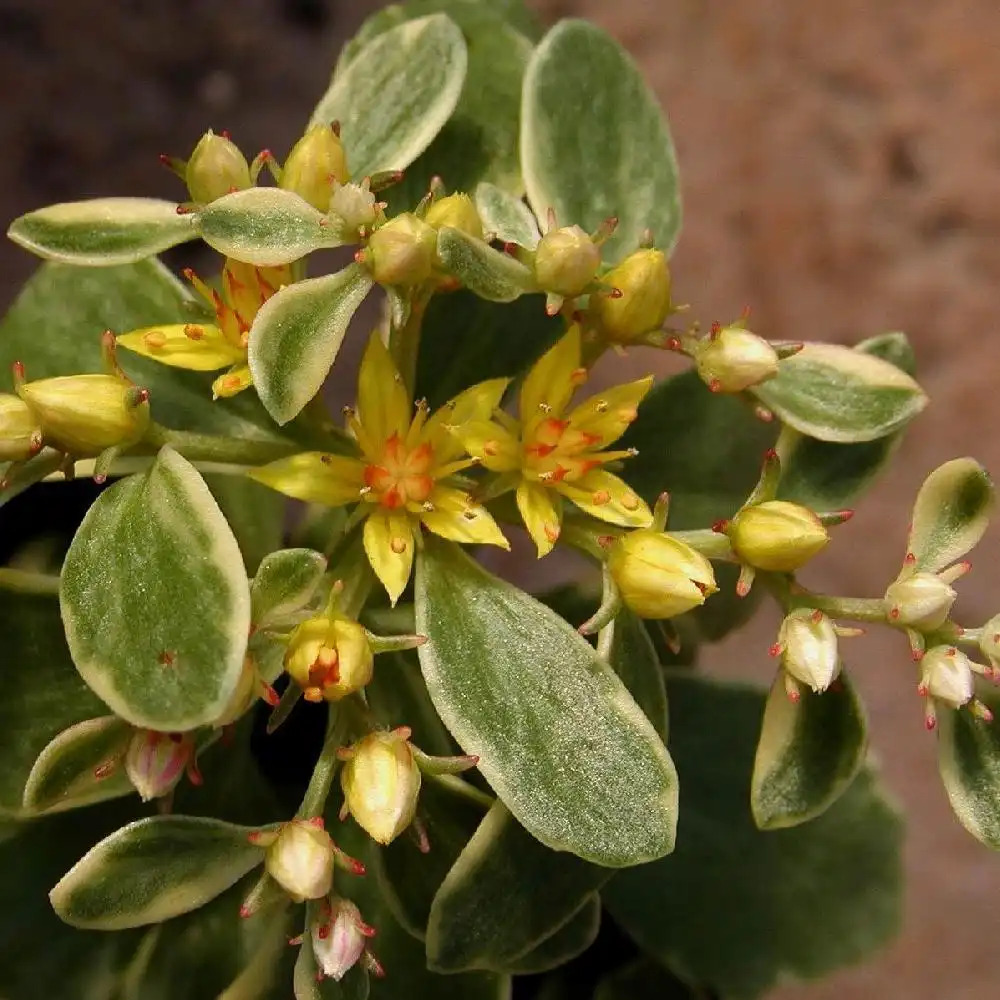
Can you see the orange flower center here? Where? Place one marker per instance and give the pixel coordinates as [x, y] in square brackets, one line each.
[555, 451]
[402, 475]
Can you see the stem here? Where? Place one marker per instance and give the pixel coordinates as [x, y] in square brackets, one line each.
[862, 609]
[404, 341]
[711, 544]
[216, 448]
[314, 801]
[25, 582]
[457, 786]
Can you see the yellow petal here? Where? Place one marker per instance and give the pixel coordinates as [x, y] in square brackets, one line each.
[199, 347]
[494, 447]
[476, 403]
[235, 380]
[315, 477]
[383, 402]
[607, 414]
[456, 517]
[388, 538]
[609, 498]
[541, 511]
[552, 380]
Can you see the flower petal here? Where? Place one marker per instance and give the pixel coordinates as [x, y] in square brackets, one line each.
[476, 403]
[388, 538]
[199, 347]
[383, 402]
[541, 511]
[235, 380]
[457, 518]
[607, 414]
[488, 442]
[553, 378]
[315, 477]
[602, 494]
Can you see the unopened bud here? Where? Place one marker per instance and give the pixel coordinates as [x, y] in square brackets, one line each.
[247, 691]
[329, 658]
[381, 783]
[216, 167]
[354, 204]
[301, 859]
[643, 279]
[20, 435]
[659, 576]
[733, 359]
[946, 676]
[777, 535]
[402, 251]
[921, 601]
[989, 642]
[458, 211]
[566, 261]
[155, 761]
[808, 644]
[315, 162]
[339, 939]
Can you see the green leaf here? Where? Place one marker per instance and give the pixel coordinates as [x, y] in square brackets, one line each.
[636, 663]
[969, 761]
[152, 870]
[296, 335]
[559, 738]
[594, 142]
[541, 892]
[809, 753]
[43, 694]
[104, 231]
[833, 393]
[950, 514]
[66, 774]
[266, 226]
[571, 940]
[490, 274]
[781, 904]
[704, 448]
[827, 475]
[255, 513]
[155, 599]
[506, 217]
[644, 980]
[396, 94]
[285, 582]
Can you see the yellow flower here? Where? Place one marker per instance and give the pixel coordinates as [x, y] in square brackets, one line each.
[550, 454]
[401, 475]
[206, 347]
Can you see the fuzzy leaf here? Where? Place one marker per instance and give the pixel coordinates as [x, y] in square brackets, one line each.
[594, 142]
[951, 513]
[155, 599]
[490, 274]
[808, 754]
[104, 231]
[295, 338]
[635, 661]
[833, 393]
[505, 217]
[559, 738]
[266, 226]
[255, 513]
[396, 94]
[644, 980]
[152, 870]
[570, 941]
[285, 582]
[781, 904]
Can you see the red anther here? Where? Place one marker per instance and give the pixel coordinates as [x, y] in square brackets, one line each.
[985, 714]
[18, 367]
[774, 649]
[794, 696]
[673, 344]
[770, 455]
[100, 478]
[266, 154]
[922, 690]
[165, 159]
[909, 559]
[184, 209]
[323, 932]
[270, 695]
[226, 134]
[715, 329]
[359, 256]
[817, 616]
[142, 395]
[317, 821]
[335, 128]
[720, 527]
[356, 867]
[245, 911]
[894, 613]
[742, 588]
[845, 515]
[930, 723]
[366, 929]
[715, 385]
[510, 248]
[167, 658]
[615, 293]
[917, 655]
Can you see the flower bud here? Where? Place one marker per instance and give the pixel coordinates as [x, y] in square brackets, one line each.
[381, 783]
[946, 676]
[777, 535]
[920, 601]
[156, 761]
[315, 162]
[20, 435]
[216, 167]
[457, 211]
[339, 940]
[329, 658]
[808, 645]
[566, 261]
[301, 859]
[643, 279]
[354, 204]
[733, 359]
[989, 642]
[402, 251]
[84, 414]
[659, 576]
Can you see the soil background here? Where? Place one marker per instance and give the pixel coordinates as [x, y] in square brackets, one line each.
[841, 173]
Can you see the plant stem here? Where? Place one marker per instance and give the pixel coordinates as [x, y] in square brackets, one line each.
[404, 341]
[314, 801]
[216, 448]
[457, 786]
[25, 582]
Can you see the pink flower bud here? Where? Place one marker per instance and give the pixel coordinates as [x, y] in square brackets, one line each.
[339, 940]
[156, 761]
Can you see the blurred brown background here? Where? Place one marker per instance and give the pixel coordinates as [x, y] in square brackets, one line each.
[841, 170]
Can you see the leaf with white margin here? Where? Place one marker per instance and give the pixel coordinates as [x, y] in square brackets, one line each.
[834, 393]
[152, 870]
[155, 599]
[594, 141]
[295, 338]
[505, 217]
[285, 582]
[490, 274]
[396, 94]
[559, 737]
[571, 940]
[950, 514]
[103, 231]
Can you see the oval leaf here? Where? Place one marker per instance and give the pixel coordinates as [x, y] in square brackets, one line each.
[266, 227]
[634, 659]
[559, 737]
[571, 940]
[103, 231]
[68, 773]
[808, 753]
[950, 514]
[396, 94]
[494, 276]
[594, 142]
[155, 599]
[285, 583]
[505, 217]
[152, 870]
[833, 393]
[296, 335]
